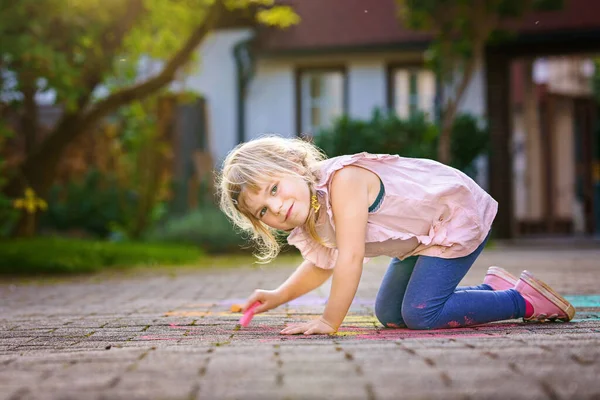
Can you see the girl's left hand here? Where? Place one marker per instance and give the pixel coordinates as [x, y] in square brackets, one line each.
[315, 327]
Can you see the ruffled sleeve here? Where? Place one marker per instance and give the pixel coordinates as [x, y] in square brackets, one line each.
[311, 250]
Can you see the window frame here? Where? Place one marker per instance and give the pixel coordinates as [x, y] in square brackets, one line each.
[299, 73]
[391, 86]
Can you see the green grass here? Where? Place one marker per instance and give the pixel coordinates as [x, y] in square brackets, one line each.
[73, 256]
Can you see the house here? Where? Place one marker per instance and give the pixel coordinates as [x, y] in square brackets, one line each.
[553, 108]
[351, 56]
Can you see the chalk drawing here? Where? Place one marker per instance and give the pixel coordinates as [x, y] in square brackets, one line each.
[585, 301]
[359, 324]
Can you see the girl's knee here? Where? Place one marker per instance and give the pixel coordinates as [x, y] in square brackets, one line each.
[388, 317]
[416, 317]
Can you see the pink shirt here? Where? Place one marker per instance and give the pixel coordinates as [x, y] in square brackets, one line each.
[428, 209]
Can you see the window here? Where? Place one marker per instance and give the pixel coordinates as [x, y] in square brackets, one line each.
[412, 91]
[320, 99]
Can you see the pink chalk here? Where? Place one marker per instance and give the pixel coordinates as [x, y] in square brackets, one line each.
[247, 317]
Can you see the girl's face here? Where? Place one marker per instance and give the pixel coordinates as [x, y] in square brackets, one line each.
[282, 203]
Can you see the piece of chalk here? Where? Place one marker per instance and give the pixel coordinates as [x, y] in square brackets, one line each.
[247, 317]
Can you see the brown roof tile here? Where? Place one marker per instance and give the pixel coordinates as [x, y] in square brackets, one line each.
[576, 15]
[339, 24]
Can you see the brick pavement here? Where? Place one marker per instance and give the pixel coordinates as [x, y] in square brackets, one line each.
[172, 336]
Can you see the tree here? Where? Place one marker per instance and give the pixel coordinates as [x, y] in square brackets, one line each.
[461, 29]
[75, 47]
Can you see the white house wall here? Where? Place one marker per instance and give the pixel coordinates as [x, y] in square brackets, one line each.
[366, 87]
[271, 100]
[474, 100]
[216, 81]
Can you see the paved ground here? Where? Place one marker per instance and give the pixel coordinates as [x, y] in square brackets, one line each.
[172, 336]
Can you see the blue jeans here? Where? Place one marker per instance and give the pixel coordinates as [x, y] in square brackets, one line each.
[421, 293]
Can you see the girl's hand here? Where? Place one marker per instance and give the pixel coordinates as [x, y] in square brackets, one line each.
[269, 299]
[315, 327]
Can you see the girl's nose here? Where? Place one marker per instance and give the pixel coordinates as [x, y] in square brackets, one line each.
[275, 205]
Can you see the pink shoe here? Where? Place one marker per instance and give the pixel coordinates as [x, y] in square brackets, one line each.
[499, 279]
[547, 304]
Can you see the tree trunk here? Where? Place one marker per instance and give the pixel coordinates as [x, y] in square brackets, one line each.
[444, 155]
[39, 168]
[26, 225]
[29, 117]
[450, 111]
[152, 163]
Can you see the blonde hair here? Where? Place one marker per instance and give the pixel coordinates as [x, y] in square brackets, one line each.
[251, 164]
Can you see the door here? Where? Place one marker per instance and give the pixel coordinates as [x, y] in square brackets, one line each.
[585, 181]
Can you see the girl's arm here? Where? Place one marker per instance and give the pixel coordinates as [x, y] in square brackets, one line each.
[350, 204]
[307, 277]
[349, 192]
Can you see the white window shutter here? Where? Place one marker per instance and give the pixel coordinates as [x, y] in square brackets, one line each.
[426, 90]
[402, 93]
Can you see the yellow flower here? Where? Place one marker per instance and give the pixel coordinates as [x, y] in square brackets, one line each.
[30, 202]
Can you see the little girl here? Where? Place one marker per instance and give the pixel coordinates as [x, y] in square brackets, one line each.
[432, 219]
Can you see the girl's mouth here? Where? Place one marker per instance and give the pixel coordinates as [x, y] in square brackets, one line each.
[289, 212]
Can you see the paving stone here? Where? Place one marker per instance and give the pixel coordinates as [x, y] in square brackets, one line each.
[174, 337]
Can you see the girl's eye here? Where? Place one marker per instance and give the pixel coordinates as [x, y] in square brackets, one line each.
[263, 210]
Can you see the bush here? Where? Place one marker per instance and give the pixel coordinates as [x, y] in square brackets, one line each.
[468, 141]
[55, 255]
[92, 205]
[206, 227]
[8, 214]
[414, 137]
[383, 133]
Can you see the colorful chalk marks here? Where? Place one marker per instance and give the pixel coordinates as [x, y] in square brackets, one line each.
[218, 320]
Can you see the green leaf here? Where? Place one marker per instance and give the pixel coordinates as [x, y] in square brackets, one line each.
[282, 17]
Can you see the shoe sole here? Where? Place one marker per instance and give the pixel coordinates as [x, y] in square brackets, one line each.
[503, 274]
[550, 294]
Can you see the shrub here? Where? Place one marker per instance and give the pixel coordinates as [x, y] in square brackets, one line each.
[56, 255]
[8, 214]
[206, 227]
[91, 205]
[468, 141]
[383, 133]
[413, 137]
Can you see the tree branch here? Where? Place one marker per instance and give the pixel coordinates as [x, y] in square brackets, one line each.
[452, 105]
[150, 86]
[29, 116]
[69, 126]
[75, 123]
[109, 44]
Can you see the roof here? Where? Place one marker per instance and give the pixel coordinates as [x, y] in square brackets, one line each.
[355, 24]
[576, 15]
[329, 24]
